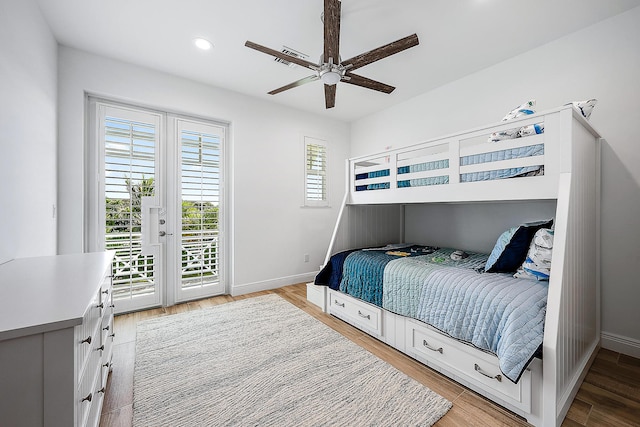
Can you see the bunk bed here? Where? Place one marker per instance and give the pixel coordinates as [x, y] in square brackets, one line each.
[555, 158]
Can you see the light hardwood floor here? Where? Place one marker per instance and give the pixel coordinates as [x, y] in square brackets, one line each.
[609, 396]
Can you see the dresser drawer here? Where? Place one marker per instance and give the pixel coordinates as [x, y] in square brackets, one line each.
[107, 333]
[107, 341]
[471, 365]
[88, 333]
[361, 314]
[88, 387]
[106, 291]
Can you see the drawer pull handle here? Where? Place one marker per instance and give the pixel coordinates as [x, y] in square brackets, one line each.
[337, 303]
[101, 305]
[113, 335]
[101, 348]
[87, 340]
[106, 328]
[105, 365]
[88, 398]
[493, 377]
[112, 305]
[106, 292]
[101, 390]
[368, 316]
[439, 349]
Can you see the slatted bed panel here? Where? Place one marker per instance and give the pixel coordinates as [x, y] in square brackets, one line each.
[463, 167]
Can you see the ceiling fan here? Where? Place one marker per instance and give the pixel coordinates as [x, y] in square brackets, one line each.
[331, 69]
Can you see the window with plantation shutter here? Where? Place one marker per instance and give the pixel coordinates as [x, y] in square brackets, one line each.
[130, 140]
[200, 159]
[315, 172]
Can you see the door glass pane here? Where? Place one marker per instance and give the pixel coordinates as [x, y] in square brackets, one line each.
[200, 198]
[129, 161]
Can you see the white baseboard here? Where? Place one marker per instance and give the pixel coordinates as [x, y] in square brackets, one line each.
[264, 285]
[625, 345]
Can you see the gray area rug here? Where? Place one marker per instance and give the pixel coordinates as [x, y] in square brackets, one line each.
[264, 362]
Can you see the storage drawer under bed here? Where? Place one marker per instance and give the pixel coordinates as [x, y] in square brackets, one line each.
[359, 313]
[469, 364]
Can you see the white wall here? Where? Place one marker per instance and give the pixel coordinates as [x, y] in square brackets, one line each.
[28, 93]
[271, 230]
[603, 62]
[366, 226]
[470, 226]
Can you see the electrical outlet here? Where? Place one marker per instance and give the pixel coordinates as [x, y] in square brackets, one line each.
[306, 257]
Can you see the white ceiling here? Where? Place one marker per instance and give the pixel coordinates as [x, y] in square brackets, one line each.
[457, 38]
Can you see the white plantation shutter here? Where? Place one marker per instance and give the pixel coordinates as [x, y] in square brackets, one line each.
[315, 172]
[130, 172]
[200, 159]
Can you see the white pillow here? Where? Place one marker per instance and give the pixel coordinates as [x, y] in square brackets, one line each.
[585, 107]
[537, 265]
[521, 110]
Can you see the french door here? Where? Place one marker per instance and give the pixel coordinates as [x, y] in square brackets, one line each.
[158, 201]
[196, 251]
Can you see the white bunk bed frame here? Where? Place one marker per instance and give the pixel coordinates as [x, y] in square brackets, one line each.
[572, 325]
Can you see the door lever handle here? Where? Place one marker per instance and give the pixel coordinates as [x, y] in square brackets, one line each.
[164, 233]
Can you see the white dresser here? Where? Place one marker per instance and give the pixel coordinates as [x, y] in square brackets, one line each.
[56, 335]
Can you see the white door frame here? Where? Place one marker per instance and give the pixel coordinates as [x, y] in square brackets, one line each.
[167, 198]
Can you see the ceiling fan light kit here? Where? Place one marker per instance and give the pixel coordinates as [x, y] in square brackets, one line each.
[330, 77]
[331, 73]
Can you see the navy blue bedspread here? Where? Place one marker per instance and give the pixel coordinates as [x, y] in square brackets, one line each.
[331, 273]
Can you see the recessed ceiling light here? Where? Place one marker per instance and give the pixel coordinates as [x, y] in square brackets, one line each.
[203, 43]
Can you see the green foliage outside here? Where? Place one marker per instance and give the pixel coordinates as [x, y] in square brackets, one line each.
[124, 215]
[199, 232]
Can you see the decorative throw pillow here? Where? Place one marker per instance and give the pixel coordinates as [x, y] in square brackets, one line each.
[511, 247]
[585, 107]
[537, 265]
[502, 135]
[528, 130]
[522, 110]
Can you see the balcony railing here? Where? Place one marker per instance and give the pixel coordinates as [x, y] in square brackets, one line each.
[133, 272]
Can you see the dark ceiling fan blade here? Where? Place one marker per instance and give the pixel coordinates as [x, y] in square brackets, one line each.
[330, 96]
[381, 52]
[332, 31]
[311, 78]
[281, 55]
[368, 83]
